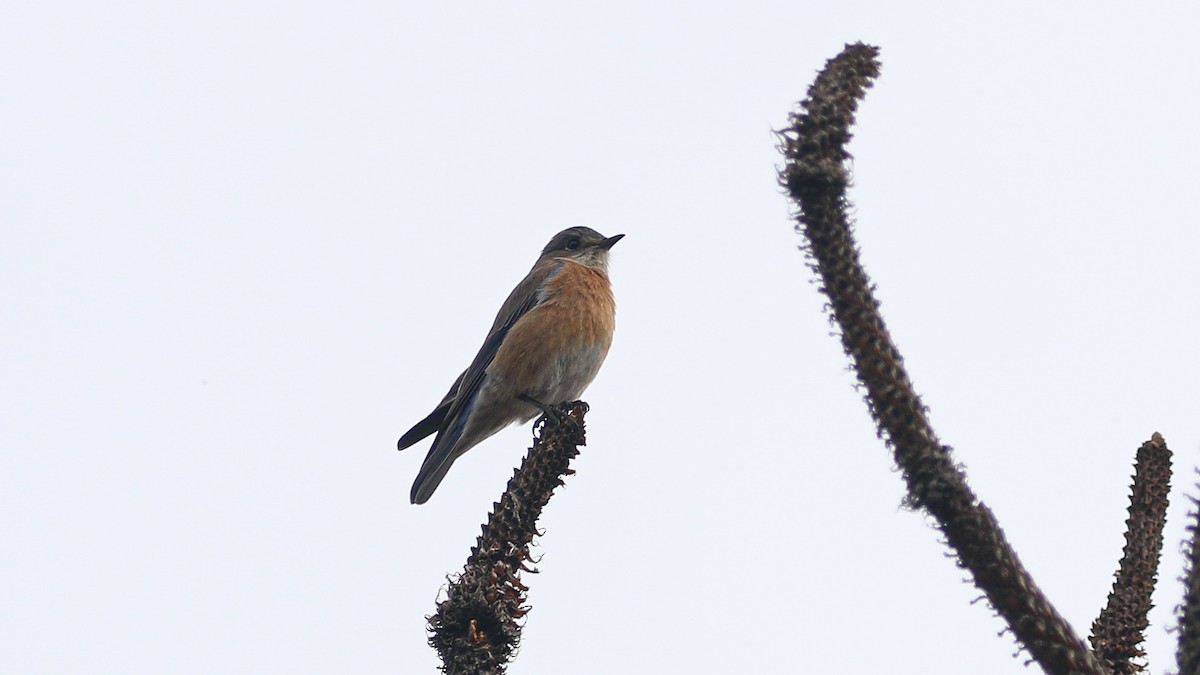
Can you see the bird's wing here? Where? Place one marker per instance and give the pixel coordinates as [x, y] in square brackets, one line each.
[523, 298]
[433, 421]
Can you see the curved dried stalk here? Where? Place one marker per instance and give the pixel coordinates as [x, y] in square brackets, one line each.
[816, 178]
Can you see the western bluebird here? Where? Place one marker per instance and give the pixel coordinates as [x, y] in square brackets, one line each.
[545, 347]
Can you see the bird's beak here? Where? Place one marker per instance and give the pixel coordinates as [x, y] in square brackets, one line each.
[608, 243]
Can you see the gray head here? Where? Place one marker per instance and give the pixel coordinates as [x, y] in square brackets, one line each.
[581, 244]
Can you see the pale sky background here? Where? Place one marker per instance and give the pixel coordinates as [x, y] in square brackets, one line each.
[246, 245]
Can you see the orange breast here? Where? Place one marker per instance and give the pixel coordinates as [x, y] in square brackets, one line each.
[577, 314]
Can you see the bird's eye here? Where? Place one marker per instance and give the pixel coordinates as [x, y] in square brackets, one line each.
[572, 245]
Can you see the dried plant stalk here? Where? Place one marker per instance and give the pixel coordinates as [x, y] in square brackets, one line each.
[1117, 632]
[1188, 612]
[476, 629]
[815, 175]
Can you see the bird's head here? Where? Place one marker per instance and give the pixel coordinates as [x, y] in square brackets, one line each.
[582, 245]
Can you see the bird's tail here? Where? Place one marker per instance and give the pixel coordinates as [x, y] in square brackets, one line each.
[431, 475]
[441, 456]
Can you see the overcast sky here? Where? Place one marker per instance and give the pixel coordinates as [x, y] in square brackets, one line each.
[247, 245]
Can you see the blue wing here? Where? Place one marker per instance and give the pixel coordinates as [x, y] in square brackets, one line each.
[443, 452]
[433, 421]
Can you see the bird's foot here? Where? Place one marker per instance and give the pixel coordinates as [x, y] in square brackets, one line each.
[553, 415]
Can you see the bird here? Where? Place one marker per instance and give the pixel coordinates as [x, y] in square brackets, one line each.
[545, 347]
